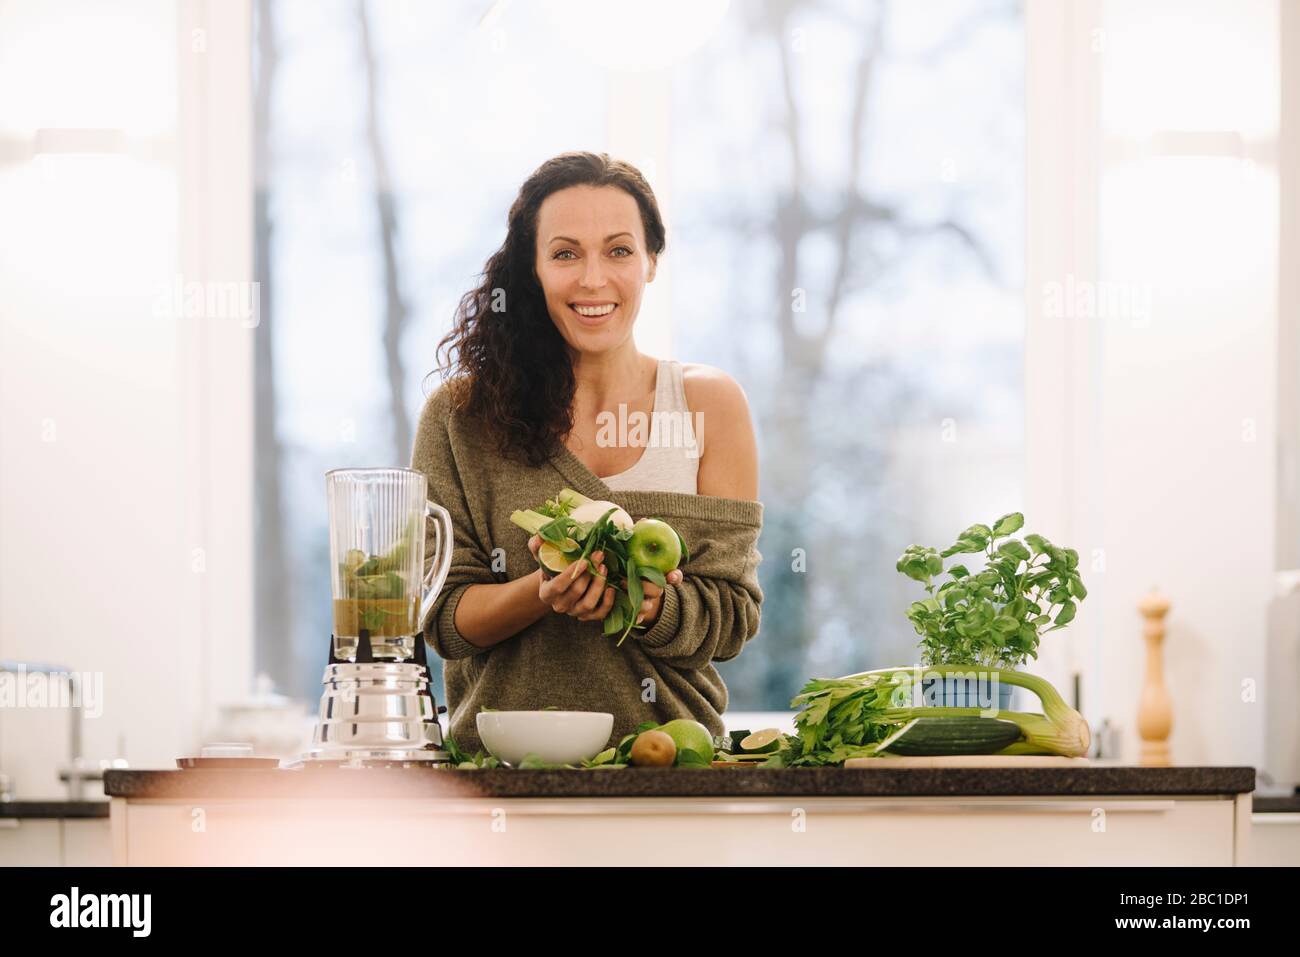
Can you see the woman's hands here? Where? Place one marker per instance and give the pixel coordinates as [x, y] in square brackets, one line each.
[653, 597]
[577, 592]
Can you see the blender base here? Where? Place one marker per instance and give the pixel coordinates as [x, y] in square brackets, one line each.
[372, 757]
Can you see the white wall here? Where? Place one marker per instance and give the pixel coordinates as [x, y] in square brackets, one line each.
[1151, 443]
[123, 481]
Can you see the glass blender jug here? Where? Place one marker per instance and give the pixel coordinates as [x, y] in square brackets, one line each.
[379, 521]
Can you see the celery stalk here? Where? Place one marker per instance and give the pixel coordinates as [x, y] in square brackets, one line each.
[530, 521]
[573, 499]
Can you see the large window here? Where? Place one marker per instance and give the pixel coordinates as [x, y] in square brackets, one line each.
[845, 237]
[848, 183]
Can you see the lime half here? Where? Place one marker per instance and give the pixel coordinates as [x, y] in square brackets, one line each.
[762, 742]
[552, 559]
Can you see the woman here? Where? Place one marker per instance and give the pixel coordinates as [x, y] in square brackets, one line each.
[541, 362]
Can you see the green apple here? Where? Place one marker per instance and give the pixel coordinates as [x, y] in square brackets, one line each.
[690, 735]
[654, 544]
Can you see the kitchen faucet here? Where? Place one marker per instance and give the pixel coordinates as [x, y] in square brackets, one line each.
[74, 775]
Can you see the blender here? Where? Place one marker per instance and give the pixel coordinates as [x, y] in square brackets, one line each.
[377, 707]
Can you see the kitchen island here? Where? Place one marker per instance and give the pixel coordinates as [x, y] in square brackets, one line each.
[1096, 815]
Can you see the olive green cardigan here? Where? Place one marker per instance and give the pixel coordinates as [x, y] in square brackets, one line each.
[659, 673]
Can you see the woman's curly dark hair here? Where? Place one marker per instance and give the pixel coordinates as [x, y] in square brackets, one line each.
[506, 364]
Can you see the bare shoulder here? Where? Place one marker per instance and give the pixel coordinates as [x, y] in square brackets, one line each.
[729, 465]
[710, 388]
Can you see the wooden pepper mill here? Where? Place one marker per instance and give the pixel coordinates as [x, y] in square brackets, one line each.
[1155, 713]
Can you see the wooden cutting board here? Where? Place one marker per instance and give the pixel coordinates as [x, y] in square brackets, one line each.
[971, 761]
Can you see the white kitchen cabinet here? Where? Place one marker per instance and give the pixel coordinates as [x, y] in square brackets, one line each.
[1274, 840]
[87, 842]
[30, 842]
[55, 842]
[1210, 830]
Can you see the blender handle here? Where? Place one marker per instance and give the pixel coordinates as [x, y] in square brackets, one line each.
[443, 543]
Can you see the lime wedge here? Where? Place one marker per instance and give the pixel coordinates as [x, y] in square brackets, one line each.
[762, 742]
[552, 559]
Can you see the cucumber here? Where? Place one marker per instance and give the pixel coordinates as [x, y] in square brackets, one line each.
[736, 738]
[924, 737]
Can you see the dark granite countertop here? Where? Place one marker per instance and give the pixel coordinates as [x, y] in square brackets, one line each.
[53, 809]
[448, 783]
[1277, 804]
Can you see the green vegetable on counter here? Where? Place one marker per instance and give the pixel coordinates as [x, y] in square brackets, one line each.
[466, 762]
[853, 716]
[925, 737]
[994, 616]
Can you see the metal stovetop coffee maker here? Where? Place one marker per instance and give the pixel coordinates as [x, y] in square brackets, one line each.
[378, 708]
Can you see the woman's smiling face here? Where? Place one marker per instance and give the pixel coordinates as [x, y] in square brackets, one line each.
[591, 258]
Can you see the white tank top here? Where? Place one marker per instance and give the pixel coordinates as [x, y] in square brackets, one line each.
[671, 459]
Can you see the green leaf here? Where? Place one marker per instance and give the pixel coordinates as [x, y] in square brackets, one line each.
[605, 757]
[934, 565]
[691, 759]
[1006, 624]
[1037, 543]
[533, 762]
[634, 590]
[1065, 615]
[1076, 588]
[1011, 522]
[613, 623]
[555, 532]
[913, 568]
[958, 571]
[965, 546]
[652, 575]
[1015, 549]
[597, 533]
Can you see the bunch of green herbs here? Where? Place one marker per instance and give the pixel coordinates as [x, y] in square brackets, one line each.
[996, 616]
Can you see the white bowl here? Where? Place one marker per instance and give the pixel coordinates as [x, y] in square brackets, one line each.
[557, 737]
